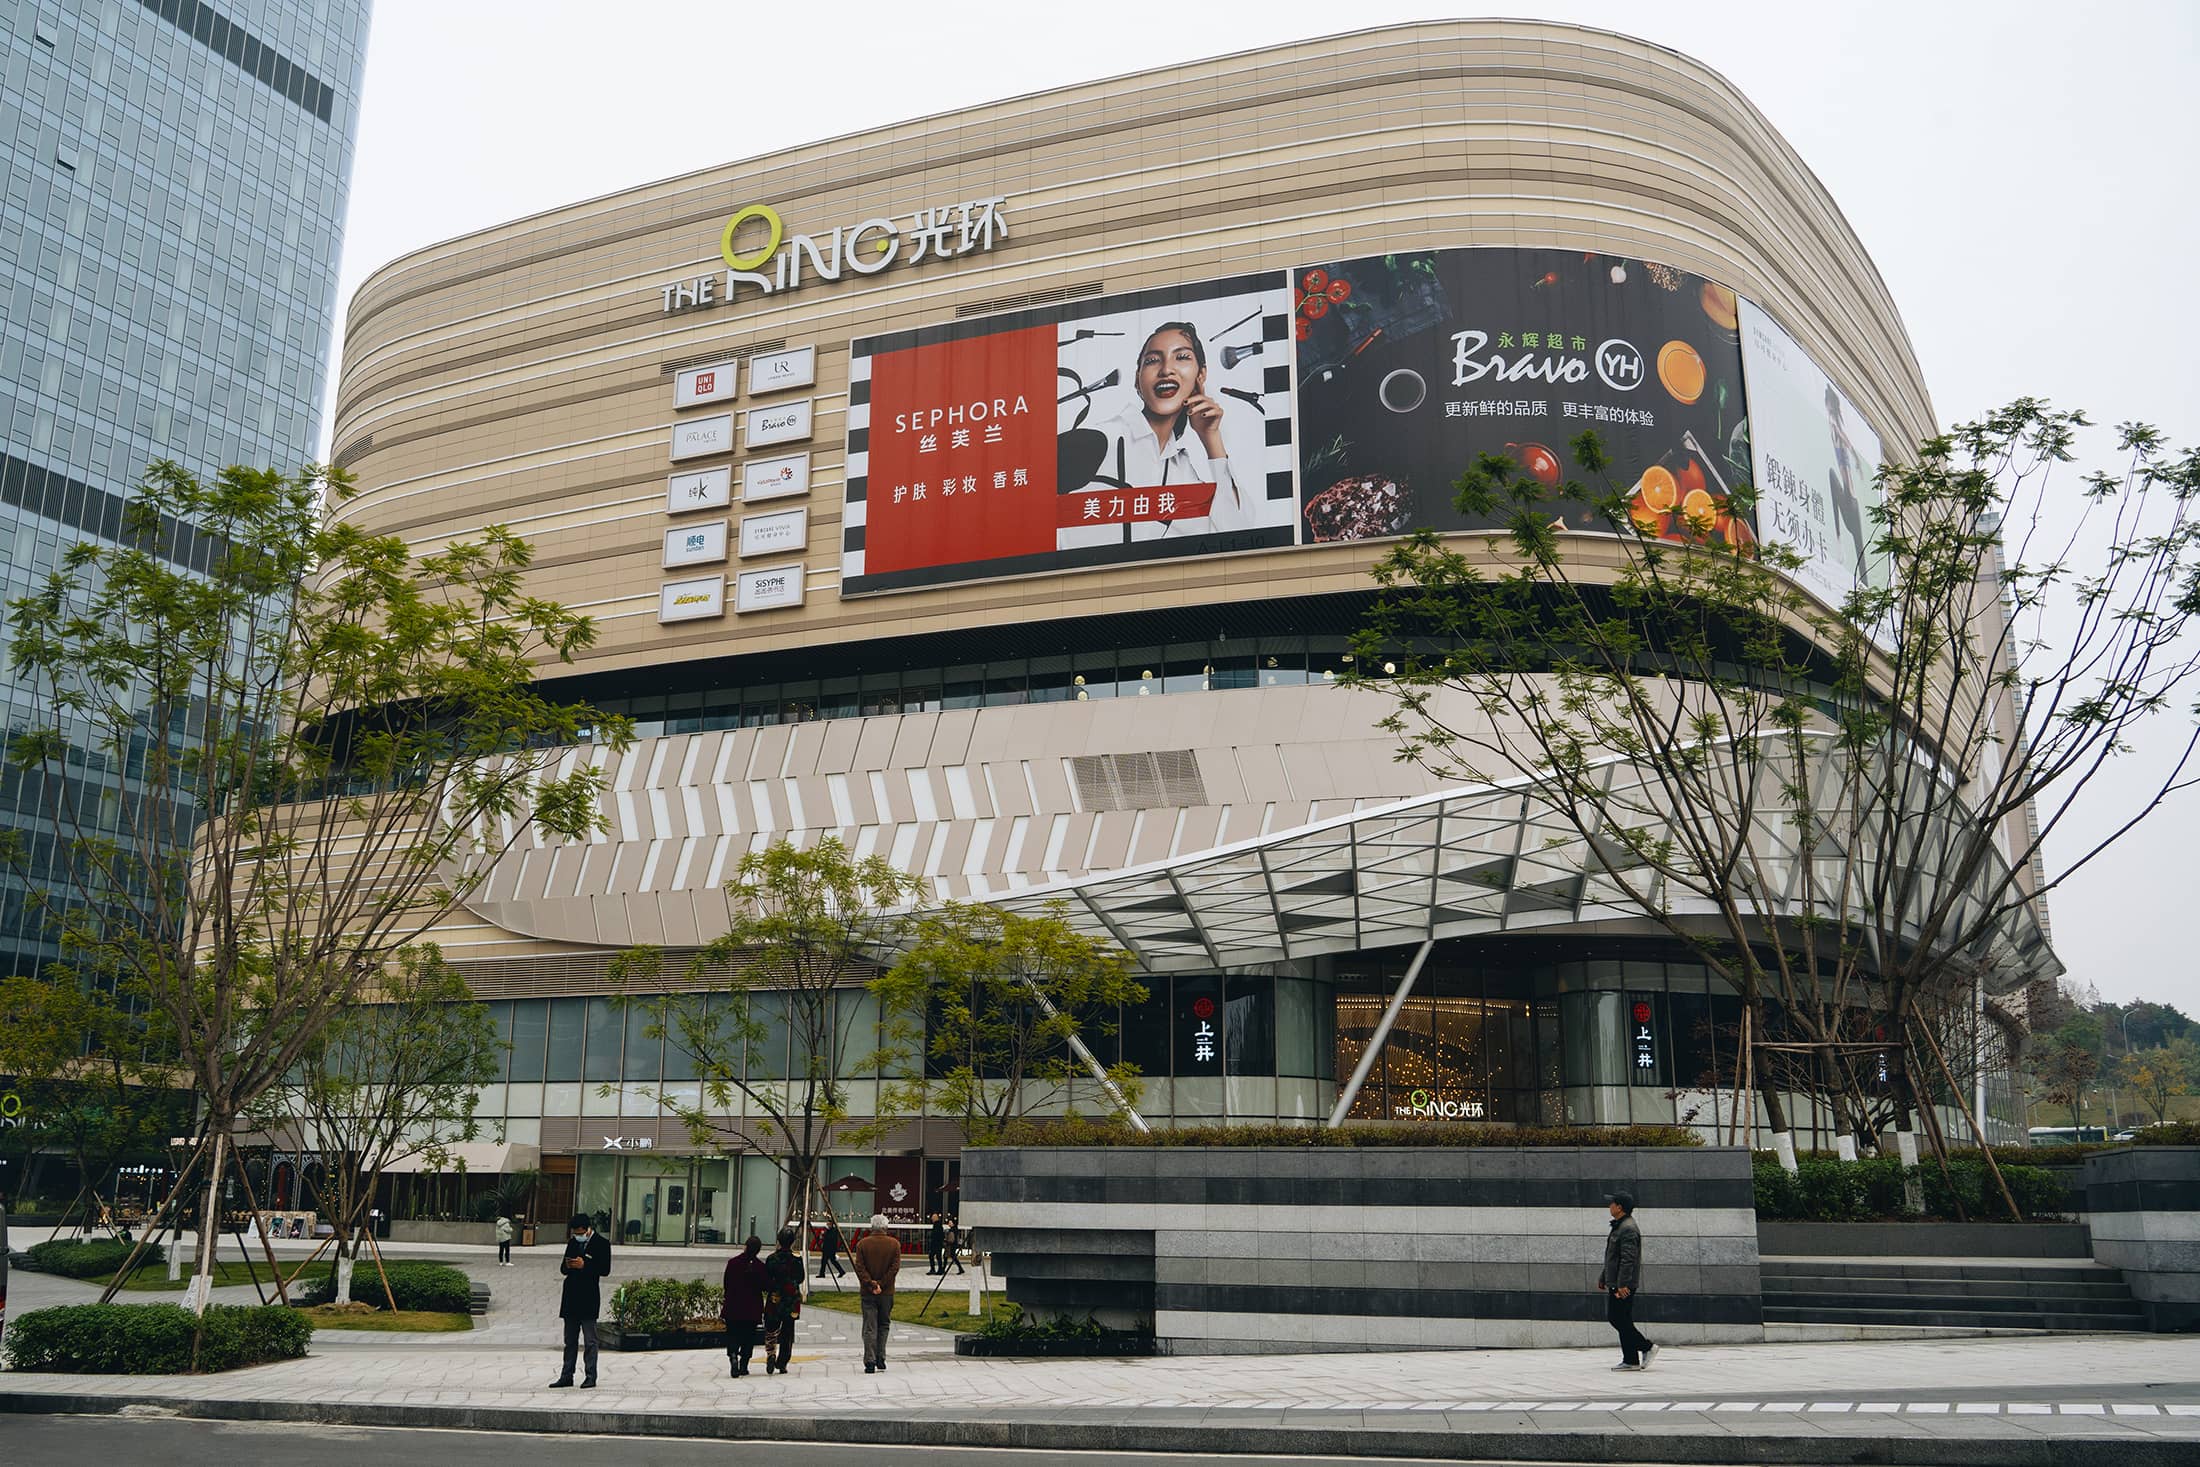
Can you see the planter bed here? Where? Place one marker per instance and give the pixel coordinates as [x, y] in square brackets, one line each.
[1112, 1344]
[678, 1339]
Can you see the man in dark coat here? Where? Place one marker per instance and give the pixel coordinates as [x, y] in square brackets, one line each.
[877, 1256]
[1621, 1281]
[586, 1263]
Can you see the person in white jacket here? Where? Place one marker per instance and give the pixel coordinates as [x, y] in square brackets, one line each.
[1168, 435]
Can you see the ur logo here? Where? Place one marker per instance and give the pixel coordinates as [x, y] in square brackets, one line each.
[1620, 365]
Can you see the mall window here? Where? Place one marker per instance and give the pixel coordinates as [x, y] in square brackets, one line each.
[567, 1016]
[530, 1032]
[1250, 1005]
[600, 1058]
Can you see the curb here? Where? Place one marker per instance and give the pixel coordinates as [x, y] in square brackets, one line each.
[1692, 1447]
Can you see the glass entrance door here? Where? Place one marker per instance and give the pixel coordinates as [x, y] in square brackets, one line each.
[657, 1203]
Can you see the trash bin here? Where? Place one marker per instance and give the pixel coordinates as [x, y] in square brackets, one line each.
[527, 1235]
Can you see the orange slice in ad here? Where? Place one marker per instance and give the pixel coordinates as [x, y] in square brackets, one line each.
[1719, 304]
[1700, 510]
[1681, 370]
[1659, 490]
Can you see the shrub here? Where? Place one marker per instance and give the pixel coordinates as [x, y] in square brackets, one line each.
[151, 1339]
[1092, 1133]
[657, 1306]
[434, 1287]
[2167, 1133]
[1872, 1189]
[93, 1258]
[1027, 1329]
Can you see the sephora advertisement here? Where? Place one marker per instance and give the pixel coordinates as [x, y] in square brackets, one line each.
[1817, 463]
[1411, 366]
[1095, 432]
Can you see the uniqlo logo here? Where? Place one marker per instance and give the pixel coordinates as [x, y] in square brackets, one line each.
[705, 383]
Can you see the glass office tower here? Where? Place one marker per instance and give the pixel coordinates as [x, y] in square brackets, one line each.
[177, 176]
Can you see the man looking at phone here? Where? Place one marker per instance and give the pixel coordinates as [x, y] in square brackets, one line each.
[586, 1263]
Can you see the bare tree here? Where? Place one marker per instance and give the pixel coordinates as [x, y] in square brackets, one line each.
[1840, 809]
[320, 744]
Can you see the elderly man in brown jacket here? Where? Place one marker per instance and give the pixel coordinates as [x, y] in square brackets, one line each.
[877, 1257]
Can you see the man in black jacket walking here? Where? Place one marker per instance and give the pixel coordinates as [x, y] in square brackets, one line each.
[1621, 1281]
[586, 1263]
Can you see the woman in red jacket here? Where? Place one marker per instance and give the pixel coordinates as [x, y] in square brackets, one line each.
[743, 1309]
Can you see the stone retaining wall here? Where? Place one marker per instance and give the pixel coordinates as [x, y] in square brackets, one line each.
[1294, 1249]
[2142, 1204]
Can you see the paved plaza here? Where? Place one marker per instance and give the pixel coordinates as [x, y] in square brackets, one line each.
[2138, 1391]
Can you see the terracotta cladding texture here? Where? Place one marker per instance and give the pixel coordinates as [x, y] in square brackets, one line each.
[980, 802]
[519, 375]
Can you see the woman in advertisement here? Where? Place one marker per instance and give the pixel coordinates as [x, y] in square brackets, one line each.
[1170, 434]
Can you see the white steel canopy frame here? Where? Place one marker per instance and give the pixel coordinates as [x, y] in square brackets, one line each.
[1464, 862]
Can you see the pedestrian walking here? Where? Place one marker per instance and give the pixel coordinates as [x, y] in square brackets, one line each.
[954, 1256]
[1621, 1281]
[829, 1250]
[586, 1263]
[782, 1302]
[504, 1242]
[877, 1256]
[743, 1305]
[935, 1246]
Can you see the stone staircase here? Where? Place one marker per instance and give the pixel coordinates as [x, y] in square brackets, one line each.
[1863, 1296]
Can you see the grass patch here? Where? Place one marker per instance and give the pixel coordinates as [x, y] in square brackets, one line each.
[153, 1278]
[951, 1310]
[382, 1321]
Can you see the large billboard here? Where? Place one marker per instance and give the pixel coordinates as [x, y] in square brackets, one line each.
[1413, 365]
[1095, 432]
[1817, 463]
[1342, 401]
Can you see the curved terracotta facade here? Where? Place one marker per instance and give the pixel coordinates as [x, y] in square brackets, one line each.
[520, 375]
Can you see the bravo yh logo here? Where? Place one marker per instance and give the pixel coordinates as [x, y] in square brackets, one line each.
[1427, 1105]
[1620, 365]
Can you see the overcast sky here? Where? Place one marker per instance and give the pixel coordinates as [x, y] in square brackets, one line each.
[2020, 171]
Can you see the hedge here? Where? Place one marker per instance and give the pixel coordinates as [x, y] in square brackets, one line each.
[1873, 1189]
[434, 1287]
[1087, 1133]
[654, 1306]
[87, 1259]
[151, 1339]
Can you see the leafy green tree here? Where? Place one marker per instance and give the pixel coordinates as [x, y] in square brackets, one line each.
[1003, 1005]
[395, 1074]
[87, 1067]
[2163, 1073]
[323, 743]
[2067, 1062]
[774, 1018]
[1842, 809]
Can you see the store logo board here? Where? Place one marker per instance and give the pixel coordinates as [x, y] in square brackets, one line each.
[702, 437]
[776, 478]
[691, 600]
[1413, 365]
[1817, 463]
[772, 371]
[762, 257]
[785, 422]
[785, 532]
[695, 544]
[1026, 443]
[769, 588]
[699, 385]
[704, 489]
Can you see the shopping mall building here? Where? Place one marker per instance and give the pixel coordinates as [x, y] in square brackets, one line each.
[782, 427]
